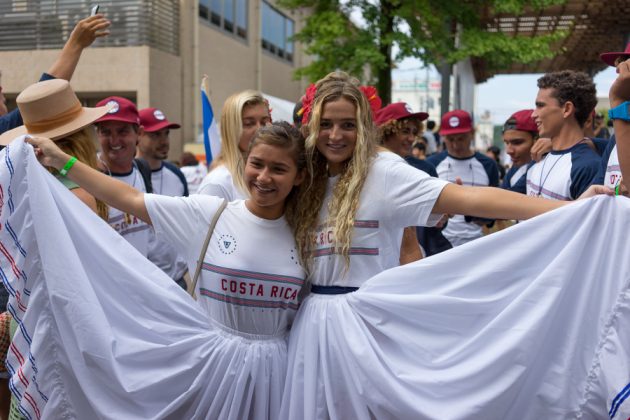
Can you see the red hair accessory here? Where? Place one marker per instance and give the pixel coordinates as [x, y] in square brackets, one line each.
[307, 103]
[371, 94]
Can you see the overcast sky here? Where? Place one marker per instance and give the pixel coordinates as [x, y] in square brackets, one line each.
[502, 95]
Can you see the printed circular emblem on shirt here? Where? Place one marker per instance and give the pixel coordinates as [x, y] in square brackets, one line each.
[115, 107]
[453, 122]
[227, 244]
[408, 108]
[159, 115]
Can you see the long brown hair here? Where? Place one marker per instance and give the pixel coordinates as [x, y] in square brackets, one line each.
[284, 135]
[345, 199]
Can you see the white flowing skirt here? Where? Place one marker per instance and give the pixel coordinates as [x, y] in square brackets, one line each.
[530, 323]
[105, 334]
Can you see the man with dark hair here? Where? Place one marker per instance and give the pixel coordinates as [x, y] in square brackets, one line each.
[166, 179]
[519, 134]
[564, 103]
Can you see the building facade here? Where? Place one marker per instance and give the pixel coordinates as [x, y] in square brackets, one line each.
[158, 51]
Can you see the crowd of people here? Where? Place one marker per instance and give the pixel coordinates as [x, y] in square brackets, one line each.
[305, 250]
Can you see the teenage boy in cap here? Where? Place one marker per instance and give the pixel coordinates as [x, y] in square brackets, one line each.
[519, 134]
[460, 163]
[398, 128]
[118, 133]
[564, 102]
[166, 179]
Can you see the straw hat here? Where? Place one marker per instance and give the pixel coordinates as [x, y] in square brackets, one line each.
[51, 109]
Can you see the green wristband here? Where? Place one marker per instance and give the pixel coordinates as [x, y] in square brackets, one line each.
[64, 171]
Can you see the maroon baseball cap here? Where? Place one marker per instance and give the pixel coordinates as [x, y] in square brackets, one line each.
[522, 121]
[122, 109]
[398, 111]
[610, 57]
[456, 122]
[152, 119]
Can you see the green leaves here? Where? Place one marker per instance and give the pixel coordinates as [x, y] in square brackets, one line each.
[430, 30]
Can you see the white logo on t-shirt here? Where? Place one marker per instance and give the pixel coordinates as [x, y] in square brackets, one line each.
[453, 122]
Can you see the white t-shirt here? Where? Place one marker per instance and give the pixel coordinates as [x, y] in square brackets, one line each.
[219, 183]
[161, 253]
[134, 230]
[194, 176]
[613, 170]
[395, 195]
[251, 275]
[166, 182]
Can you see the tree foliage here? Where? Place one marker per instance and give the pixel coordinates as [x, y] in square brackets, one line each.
[434, 31]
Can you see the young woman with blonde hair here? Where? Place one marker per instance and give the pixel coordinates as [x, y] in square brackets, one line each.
[354, 355]
[243, 113]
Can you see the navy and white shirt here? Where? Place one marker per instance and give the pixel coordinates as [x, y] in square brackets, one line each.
[477, 170]
[516, 178]
[563, 174]
[609, 173]
[423, 165]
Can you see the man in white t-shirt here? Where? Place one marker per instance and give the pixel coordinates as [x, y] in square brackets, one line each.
[460, 162]
[118, 133]
[166, 179]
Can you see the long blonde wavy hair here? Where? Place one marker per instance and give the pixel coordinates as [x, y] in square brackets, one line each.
[343, 206]
[231, 130]
[82, 145]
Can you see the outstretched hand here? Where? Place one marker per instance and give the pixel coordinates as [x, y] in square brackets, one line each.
[47, 152]
[594, 190]
[87, 30]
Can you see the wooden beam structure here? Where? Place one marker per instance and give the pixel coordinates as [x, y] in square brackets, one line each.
[594, 26]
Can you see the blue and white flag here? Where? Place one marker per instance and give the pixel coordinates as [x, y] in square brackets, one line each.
[211, 136]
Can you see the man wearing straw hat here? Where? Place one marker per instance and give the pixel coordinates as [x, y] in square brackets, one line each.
[83, 35]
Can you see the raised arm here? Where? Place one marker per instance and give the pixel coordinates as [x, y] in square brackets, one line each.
[112, 191]
[82, 36]
[619, 93]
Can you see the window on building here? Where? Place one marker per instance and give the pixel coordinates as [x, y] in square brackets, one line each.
[229, 15]
[277, 30]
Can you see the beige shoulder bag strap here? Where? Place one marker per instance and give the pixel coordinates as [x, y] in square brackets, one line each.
[213, 223]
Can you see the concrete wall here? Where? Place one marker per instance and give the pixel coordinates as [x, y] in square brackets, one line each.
[169, 82]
